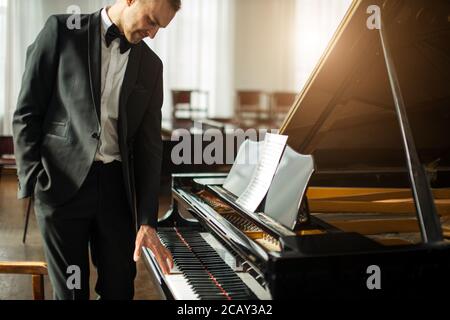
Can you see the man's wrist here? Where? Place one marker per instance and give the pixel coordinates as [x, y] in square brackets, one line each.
[147, 227]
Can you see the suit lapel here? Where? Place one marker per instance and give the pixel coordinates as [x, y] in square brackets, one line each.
[130, 78]
[129, 81]
[94, 57]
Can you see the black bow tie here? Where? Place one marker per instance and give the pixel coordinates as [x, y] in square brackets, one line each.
[112, 33]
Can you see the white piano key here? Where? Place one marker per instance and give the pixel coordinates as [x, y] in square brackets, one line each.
[175, 281]
[180, 287]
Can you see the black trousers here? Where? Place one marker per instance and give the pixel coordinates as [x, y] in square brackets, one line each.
[97, 218]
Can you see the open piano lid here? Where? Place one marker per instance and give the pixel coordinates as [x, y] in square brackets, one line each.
[345, 115]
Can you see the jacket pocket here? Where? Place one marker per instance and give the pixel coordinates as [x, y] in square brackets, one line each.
[57, 129]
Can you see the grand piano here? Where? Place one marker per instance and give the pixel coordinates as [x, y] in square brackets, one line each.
[374, 220]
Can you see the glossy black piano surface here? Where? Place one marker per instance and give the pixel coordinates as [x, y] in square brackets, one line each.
[359, 206]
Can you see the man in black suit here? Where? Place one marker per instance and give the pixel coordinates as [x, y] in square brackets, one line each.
[88, 144]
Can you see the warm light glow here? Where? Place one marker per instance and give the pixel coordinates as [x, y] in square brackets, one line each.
[317, 20]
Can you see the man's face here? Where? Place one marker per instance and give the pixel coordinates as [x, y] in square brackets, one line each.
[143, 18]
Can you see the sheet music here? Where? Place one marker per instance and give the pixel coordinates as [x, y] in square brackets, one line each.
[259, 184]
[244, 167]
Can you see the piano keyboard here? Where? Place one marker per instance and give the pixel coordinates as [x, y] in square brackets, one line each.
[203, 273]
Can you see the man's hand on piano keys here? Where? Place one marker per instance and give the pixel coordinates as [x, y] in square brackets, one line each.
[147, 237]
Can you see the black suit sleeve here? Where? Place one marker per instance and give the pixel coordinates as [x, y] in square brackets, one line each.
[148, 158]
[37, 87]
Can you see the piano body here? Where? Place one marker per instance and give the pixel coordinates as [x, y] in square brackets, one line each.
[375, 117]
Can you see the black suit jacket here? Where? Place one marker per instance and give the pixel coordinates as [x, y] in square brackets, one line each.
[57, 121]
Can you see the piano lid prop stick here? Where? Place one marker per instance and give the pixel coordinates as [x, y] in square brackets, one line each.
[430, 226]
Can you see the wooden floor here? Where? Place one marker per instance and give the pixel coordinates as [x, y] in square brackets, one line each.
[18, 287]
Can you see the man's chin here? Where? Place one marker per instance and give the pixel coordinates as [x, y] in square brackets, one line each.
[135, 40]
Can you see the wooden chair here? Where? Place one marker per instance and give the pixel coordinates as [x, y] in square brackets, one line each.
[280, 104]
[37, 270]
[250, 110]
[190, 104]
[8, 161]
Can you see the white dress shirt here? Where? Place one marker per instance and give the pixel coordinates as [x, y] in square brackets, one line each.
[114, 65]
